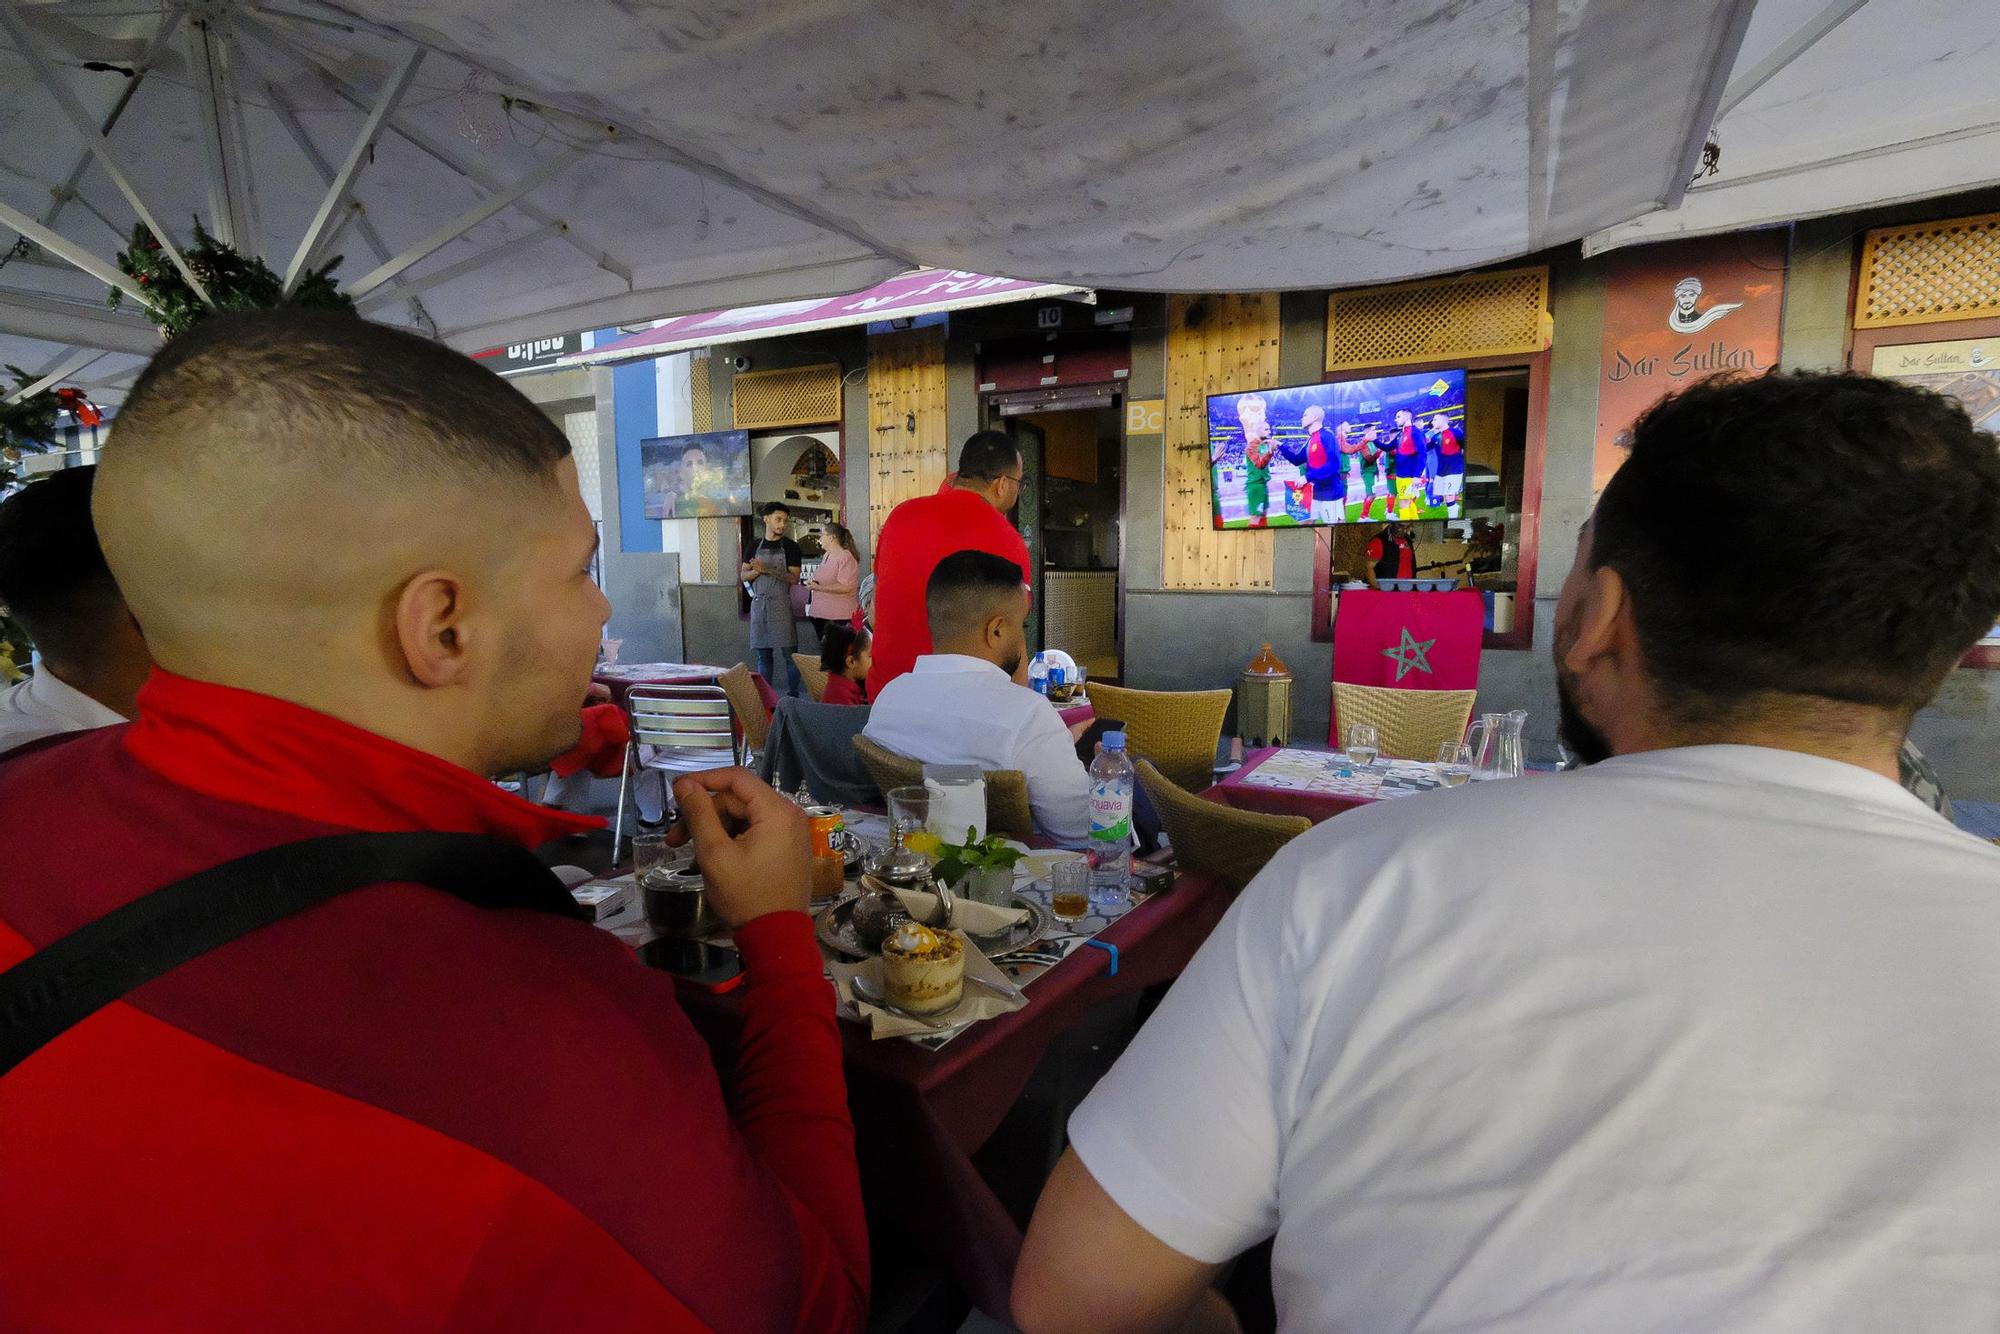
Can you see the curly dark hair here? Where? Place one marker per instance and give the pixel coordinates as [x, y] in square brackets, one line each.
[1803, 533]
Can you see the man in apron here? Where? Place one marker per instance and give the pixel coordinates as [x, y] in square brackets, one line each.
[770, 571]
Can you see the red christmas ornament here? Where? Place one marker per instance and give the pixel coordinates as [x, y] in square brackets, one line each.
[76, 405]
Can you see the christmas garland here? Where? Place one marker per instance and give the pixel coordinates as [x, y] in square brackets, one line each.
[234, 282]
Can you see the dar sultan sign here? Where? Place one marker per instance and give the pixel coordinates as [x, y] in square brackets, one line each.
[1676, 313]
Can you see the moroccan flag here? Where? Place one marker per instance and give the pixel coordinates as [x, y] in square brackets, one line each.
[1411, 641]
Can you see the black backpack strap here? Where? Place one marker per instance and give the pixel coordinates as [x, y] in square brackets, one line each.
[49, 992]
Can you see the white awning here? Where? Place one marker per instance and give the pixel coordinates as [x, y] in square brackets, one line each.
[509, 169]
[907, 296]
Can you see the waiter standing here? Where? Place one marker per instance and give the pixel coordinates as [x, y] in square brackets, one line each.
[770, 573]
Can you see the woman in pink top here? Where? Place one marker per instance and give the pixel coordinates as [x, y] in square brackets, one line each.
[835, 582]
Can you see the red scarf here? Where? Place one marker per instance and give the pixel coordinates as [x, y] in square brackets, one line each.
[259, 751]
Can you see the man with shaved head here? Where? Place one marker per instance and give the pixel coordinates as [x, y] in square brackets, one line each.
[362, 565]
[961, 703]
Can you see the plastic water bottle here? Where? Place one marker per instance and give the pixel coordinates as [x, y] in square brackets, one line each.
[1038, 675]
[1111, 782]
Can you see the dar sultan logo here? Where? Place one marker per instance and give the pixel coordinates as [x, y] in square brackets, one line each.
[1684, 319]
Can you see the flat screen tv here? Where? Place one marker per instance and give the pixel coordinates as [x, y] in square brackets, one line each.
[704, 476]
[1347, 451]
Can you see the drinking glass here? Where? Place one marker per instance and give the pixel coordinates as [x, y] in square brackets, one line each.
[1069, 888]
[650, 851]
[1454, 764]
[1364, 743]
[909, 812]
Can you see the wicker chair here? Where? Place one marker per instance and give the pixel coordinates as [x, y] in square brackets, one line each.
[1413, 723]
[741, 687]
[1007, 809]
[1178, 730]
[812, 674]
[1209, 836]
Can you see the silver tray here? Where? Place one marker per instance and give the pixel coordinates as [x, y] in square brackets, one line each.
[836, 929]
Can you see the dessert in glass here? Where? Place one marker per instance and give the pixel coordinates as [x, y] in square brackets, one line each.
[923, 970]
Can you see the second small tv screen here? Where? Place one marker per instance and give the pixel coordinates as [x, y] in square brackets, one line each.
[1351, 451]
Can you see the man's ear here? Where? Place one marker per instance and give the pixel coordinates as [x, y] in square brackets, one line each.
[1604, 621]
[428, 626]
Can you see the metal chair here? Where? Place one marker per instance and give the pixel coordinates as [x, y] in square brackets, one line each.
[1178, 730]
[1008, 811]
[1208, 836]
[688, 728]
[812, 674]
[1413, 723]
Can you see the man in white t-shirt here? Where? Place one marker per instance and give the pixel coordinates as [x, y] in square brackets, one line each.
[1700, 1037]
[54, 581]
[963, 703]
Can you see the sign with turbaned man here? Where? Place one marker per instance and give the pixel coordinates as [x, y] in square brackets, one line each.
[1679, 312]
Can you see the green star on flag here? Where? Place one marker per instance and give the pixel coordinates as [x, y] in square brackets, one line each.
[1411, 653]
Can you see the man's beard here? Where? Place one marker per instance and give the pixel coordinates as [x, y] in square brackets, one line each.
[1585, 741]
[1011, 666]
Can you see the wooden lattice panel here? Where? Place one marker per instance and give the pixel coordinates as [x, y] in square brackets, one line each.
[800, 396]
[908, 448]
[708, 539]
[1932, 272]
[1215, 345]
[1439, 319]
[701, 391]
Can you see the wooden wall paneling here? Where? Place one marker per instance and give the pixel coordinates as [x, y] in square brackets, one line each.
[1231, 345]
[907, 441]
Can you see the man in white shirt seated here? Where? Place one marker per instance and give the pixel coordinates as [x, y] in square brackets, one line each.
[54, 581]
[1698, 1037]
[963, 703]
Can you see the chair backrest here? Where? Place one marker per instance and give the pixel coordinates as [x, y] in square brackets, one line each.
[685, 718]
[1007, 808]
[741, 688]
[812, 674]
[1178, 730]
[889, 769]
[1413, 723]
[1208, 836]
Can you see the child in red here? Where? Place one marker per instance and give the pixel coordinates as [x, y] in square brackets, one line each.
[846, 654]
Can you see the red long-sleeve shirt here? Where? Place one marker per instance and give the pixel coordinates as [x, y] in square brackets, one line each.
[916, 536]
[394, 1111]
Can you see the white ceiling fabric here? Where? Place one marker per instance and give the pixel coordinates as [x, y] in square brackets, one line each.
[736, 152]
[1884, 101]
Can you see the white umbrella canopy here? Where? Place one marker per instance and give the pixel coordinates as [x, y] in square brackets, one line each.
[547, 167]
[1839, 104]
[614, 230]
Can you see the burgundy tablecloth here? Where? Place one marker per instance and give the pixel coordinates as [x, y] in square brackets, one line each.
[920, 1115]
[1315, 806]
[1078, 713]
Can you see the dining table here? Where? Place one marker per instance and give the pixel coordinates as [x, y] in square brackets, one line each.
[1283, 780]
[619, 678]
[922, 1109]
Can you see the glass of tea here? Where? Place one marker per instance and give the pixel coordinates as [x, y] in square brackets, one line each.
[1069, 888]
